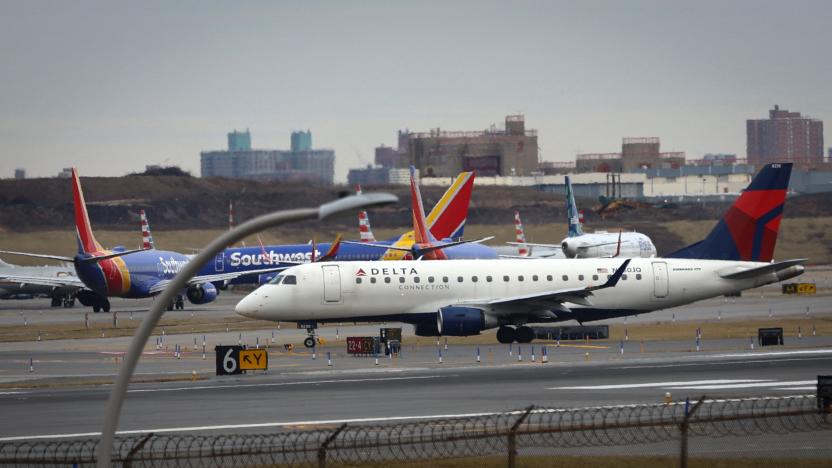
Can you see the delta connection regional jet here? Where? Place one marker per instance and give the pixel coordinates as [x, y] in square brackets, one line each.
[465, 297]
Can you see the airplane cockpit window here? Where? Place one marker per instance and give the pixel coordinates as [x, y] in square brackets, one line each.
[290, 279]
[276, 280]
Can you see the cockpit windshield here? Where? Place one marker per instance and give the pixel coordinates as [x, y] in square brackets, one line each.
[284, 279]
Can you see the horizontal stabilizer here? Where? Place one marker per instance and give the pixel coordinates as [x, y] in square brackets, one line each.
[27, 254]
[532, 244]
[745, 273]
[110, 255]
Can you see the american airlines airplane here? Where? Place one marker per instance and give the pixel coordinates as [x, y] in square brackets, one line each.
[466, 297]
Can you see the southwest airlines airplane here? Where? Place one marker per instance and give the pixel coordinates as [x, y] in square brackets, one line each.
[465, 297]
[119, 272]
[446, 222]
[577, 244]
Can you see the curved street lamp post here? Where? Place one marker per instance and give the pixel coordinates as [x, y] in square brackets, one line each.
[180, 281]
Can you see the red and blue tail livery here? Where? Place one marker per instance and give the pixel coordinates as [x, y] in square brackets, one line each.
[748, 230]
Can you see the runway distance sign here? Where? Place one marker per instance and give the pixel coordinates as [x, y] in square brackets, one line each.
[228, 360]
[254, 359]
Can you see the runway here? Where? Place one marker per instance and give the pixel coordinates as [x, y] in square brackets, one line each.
[323, 397]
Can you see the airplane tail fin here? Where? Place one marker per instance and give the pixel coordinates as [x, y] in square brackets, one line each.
[86, 239]
[748, 230]
[420, 226]
[364, 222]
[447, 218]
[147, 238]
[572, 214]
[522, 248]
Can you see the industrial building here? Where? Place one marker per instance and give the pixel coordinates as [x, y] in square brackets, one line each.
[785, 137]
[509, 151]
[636, 153]
[301, 163]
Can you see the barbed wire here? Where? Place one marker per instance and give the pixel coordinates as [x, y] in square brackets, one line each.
[454, 437]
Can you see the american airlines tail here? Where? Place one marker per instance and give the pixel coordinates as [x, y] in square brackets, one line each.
[147, 238]
[748, 230]
[572, 215]
[86, 240]
[522, 248]
[364, 222]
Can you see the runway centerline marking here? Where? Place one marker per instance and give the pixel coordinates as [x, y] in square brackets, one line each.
[280, 384]
[716, 363]
[658, 384]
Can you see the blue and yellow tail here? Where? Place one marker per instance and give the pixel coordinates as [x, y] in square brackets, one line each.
[748, 230]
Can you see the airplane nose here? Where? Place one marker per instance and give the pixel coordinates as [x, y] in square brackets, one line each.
[249, 306]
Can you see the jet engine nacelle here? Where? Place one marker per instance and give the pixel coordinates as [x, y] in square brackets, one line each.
[202, 293]
[573, 250]
[463, 321]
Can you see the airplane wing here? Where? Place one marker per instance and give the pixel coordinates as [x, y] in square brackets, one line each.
[27, 254]
[445, 245]
[379, 246]
[556, 298]
[161, 285]
[54, 281]
[548, 246]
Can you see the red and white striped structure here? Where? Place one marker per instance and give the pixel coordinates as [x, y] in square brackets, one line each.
[230, 215]
[522, 248]
[147, 238]
[581, 216]
[364, 222]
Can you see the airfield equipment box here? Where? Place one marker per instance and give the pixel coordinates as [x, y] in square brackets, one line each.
[595, 332]
[387, 334]
[770, 336]
[363, 345]
[392, 347]
[801, 289]
[825, 393]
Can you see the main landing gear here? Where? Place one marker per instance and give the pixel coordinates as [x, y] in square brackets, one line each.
[178, 303]
[101, 304]
[67, 301]
[508, 334]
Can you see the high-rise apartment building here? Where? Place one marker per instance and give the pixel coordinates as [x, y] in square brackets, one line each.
[785, 137]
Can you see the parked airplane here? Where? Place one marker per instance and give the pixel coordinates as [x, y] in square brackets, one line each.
[119, 272]
[578, 244]
[464, 297]
[424, 246]
[57, 282]
[446, 221]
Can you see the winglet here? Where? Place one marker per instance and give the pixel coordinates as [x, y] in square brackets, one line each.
[86, 239]
[614, 278]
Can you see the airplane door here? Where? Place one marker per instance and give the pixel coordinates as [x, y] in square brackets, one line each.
[660, 279]
[219, 262]
[332, 284]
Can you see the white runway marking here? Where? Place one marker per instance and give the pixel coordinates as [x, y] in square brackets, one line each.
[712, 363]
[798, 389]
[658, 384]
[743, 385]
[777, 353]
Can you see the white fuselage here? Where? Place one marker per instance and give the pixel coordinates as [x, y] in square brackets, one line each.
[343, 290]
[605, 244]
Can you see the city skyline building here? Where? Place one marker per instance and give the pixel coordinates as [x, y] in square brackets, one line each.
[785, 137]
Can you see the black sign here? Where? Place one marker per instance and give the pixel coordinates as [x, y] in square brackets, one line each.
[387, 334]
[228, 360]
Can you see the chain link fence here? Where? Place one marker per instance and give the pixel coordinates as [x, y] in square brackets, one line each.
[514, 434]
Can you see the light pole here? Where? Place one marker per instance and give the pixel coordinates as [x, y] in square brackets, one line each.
[105, 446]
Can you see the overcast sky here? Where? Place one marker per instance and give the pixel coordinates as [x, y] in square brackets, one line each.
[111, 86]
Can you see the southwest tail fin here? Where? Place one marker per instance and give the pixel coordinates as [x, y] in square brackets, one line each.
[748, 230]
[421, 233]
[147, 238]
[447, 218]
[572, 214]
[364, 222]
[86, 239]
[522, 248]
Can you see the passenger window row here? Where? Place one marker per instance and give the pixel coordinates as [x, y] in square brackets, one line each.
[474, 279]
